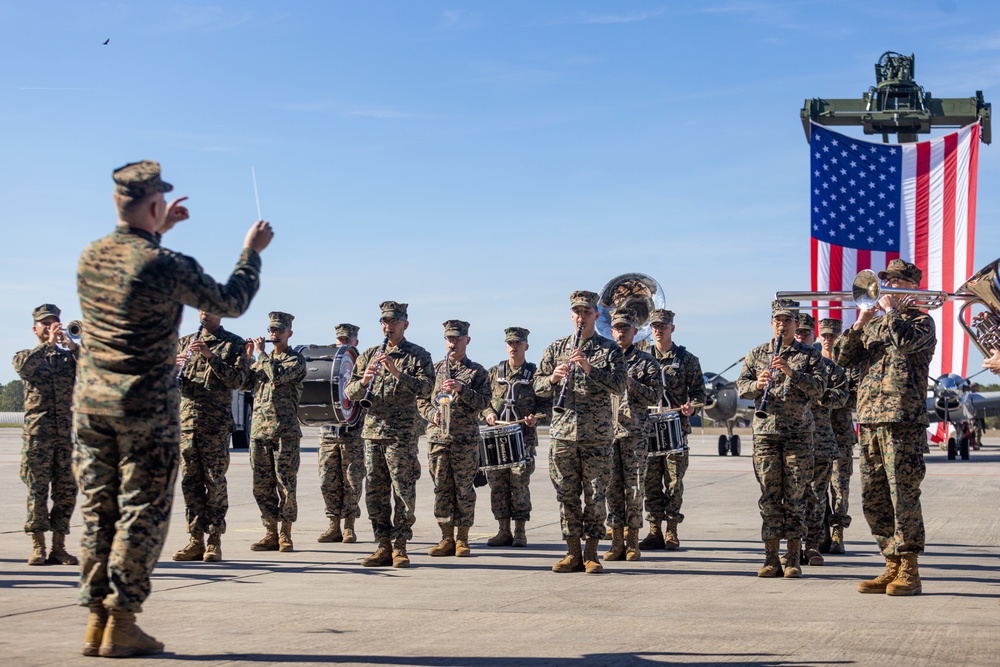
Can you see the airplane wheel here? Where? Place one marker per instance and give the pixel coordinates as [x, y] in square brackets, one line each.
[952, 449]
[723, 445]
[734, 446]
[963, 448]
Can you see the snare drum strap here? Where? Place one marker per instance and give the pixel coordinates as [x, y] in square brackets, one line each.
[509, 411]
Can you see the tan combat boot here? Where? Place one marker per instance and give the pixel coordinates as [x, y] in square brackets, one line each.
[907, 581]
[632, 544]
[270, 540]
[58, 555]
[655, 538]
[503, 538]
[382, 555]
[399, 557]
[96, 622]
[285, 537]
[462, 542]
[772, 564]
[349, 536]
[520, 539]
[332, 534]
[193, 550]
[813, 556]
[446, 547]
[124, 639]
[879, 583]
[837, 540]
[609, 534]
[590, 562]
[573, 560]
[793, 567]
[670, 540]
[617, 550]
[37, 556]
[213, 551]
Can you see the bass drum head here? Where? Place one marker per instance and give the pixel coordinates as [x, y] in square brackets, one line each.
[343, 367]
[324, 398]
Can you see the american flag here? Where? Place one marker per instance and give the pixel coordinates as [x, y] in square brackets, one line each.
[873, 202]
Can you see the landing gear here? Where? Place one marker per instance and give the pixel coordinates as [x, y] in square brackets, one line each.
[963, 448]
[952, 449]
[729, 444]
[723, 445]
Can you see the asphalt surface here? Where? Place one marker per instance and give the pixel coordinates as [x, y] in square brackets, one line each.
[504, 606]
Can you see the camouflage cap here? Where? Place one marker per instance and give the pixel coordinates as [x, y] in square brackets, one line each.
[661, 316]
[784, 308]
[583, 298]
[392, 310]
[456, 328]
[45, 310]
[623, 316]
[347, 330]
[807, 321]
[280, 320]
[138, 179]
[829, 325]
[515, 335]
[900, 268]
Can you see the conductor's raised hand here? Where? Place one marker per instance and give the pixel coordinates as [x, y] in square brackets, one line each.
[175, 213]
[258, 236]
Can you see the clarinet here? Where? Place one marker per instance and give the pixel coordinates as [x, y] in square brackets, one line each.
[366, 402]
[558, 405]
[187, 356]
[761, 412]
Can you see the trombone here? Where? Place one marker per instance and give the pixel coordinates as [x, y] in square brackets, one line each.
[866, 292]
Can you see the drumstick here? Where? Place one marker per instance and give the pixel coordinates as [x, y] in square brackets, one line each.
[256, 195]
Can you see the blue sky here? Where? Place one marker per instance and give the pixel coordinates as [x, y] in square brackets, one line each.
[479, 161]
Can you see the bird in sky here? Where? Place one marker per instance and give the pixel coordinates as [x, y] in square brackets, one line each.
[106, 41]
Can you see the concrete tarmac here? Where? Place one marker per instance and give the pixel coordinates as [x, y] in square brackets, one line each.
[504, 606]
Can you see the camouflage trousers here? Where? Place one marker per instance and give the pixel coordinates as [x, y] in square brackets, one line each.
[510, 497]
[580, 469]
[783, 466]
[342, 476]
[892, 467]
[626, 482]
[126, 468]
[453, 469]
[391, 473]
[816, 494]
[275, 464]
[840, 486]
[47, 471]
[204, 463]
[665, 486]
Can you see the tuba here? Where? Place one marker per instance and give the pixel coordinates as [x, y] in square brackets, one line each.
[635, 291]
[982, 289]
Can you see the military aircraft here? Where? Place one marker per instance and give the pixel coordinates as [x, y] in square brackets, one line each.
[723, 405]
[953, 400]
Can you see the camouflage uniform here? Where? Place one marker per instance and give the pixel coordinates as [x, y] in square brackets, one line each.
[825, 447]
[48, 373]
[206, 423]
[842, 422]
[275, 432]
[126, 402]
[341, 471]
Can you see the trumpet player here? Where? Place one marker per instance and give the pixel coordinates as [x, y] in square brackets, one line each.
[461, 391]
[790, 375]
[893, 354]
[49, 372]
[582, 372]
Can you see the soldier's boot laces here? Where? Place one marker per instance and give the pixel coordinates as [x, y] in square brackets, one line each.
[520, 539]
[632, 551]
[382, 555]
[399, 557]
[462, 542]
[813, 556]
[270, 540]
[772, 564]
[96, 623]
[573, 560]
[124, 639]
[503, 538]
[349, 535]
[446, 547]
[907, 581]
[37, 556]
[285, 537]
[193, 550]
[591, 563]
[655, 538]
[670, 540]
[793, 568]
[837, 540]
[58, 555]
[333, 533]
[213, 550]
[879, 583]
[617, 550]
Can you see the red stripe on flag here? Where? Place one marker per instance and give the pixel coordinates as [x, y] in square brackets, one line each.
[970, 232]
[864, 260]
[948, 252]
[922, 206]
[836, 271]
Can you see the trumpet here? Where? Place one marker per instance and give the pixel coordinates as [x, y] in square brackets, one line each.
[558, 405]
[761, 412]
[74, 329]
[366, 401]
[445, 399]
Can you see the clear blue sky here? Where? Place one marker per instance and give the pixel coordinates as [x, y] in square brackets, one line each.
[477, 160]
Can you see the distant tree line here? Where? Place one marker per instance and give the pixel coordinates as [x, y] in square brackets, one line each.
[12, 396]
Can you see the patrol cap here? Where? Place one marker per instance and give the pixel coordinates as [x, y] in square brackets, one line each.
[456, 328]
[830, 325]
[392, 310]
[807, 321]
[138, 179]
[784, 308]
[516, 335]
[661, 316]
[623, 316]
[45, 310]
[280, 320]
[900, 268]
[347, 330]
[583, 298]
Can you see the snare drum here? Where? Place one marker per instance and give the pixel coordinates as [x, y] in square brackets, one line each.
[324, 389]
[666, 435]
[501, 447]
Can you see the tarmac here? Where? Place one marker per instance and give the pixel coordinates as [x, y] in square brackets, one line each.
[503, 607]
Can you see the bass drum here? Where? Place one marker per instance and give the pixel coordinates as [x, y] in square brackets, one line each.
[324, 390]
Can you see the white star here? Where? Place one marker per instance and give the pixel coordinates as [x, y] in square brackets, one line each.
[892, 186]
[833, 233]
[863, 156]
[851, 219]
[853, 163]
[892, 151]
[833, 179]
[843, 172]
[881, 177]
[852, 200]
[843, 226]
[892, 242]
[871, 240]
[881, 195]
[850, 236]
[854, 147]
[871, 167]
[874, 150]
[834, 142]
[892, 223]
[852, 182]
[861, 229]
[881, 214]
[825, 185]
[815, 191]
[826, 149]
[843, 208]
[816, 227]
[892, 204]
[881, 158]
[843, 190]
[815, 209]
[892, 170]
[833, 160]
[871, 221]
[823, 221]
[823, 202]
[833, 214]
[881, 232]
[826, 167]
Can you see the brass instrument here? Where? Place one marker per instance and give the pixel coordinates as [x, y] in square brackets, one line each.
[366, 400]
[983, 289]
[635, 291]
[865, 293]
[75, 329]
[444, 399]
